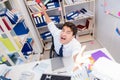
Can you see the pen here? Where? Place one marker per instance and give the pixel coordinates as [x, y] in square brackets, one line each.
[61, 72]
[35, 65]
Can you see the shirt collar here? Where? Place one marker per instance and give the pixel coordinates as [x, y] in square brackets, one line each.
[66, 45]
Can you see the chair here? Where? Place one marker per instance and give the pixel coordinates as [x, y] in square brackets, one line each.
[52, 50]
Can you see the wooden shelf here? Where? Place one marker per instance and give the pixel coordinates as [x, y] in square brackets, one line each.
[77, 3]
[85, 38]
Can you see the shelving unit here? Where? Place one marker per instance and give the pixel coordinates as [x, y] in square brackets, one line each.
[79, 12]
[21, 39]
[54, 11]
[63, 10]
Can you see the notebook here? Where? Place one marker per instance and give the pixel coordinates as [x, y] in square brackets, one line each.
[55, 77]
[56, 63]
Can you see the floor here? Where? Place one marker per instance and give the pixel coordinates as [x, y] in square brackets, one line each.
[90, 45]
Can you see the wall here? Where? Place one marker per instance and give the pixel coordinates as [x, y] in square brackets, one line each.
[105, 30]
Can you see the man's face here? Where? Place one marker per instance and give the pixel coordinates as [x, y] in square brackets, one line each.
[66, 35]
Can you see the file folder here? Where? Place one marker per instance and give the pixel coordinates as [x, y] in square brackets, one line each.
[55, 18]
[7, 43]
[72, 15]
[21, 28]
[11, 16]
[26, 48]
[52, 5]
[46, 35]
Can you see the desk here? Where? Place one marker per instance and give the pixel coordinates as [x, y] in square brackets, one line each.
[16, 71]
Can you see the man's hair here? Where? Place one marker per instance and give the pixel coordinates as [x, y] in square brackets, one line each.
[71, 26]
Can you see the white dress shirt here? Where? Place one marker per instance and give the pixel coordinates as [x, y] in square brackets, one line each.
[73, 47]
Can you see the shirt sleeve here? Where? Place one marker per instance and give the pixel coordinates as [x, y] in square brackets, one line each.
[76, 50]
[53, 28]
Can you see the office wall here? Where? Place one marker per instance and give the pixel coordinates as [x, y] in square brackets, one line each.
[106, 30]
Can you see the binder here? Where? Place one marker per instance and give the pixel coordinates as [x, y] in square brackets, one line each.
[40, 21]
[46, 35]
[55, 18]
[21, 28]
[11, 16]
[26, 49]
[52, 5]
[72, 15]
[7, 43]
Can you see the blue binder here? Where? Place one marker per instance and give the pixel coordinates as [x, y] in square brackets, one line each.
[45, 35]
[40, 21]
[55, 18]
[26, 48]
[52, 5]
[72, 15]
[21, 28]
[11, 16]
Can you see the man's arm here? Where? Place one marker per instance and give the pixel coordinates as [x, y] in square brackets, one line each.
[48, 20]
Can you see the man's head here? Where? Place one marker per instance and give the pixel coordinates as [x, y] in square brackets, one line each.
[68, 32]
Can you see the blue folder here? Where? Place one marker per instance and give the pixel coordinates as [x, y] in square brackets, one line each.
[26, 48]
[21, 28]
[45, 35]
[72, 15]
[11, 16]
[55, 18]
[52, 5]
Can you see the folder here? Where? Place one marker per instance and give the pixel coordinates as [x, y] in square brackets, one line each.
[40, 21]
[8, 44]
[72, 15]
[98, 54]
[52, 5]
[6, 24]
[21, 28]
[46, 35]
[55, 18]
[11, 16]
[26, 48]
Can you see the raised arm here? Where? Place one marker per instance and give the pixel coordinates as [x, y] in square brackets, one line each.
[48, 20]
[51, 26]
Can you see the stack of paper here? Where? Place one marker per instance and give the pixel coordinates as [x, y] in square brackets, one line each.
[108, 68]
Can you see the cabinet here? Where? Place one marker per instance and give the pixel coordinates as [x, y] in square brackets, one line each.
[82, 13]
[14, 34]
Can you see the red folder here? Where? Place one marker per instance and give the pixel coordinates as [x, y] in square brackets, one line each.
[6, 24]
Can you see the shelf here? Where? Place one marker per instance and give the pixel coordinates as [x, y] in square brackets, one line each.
[83, 32]
[48, 46]
[77, 3]
[85, 38]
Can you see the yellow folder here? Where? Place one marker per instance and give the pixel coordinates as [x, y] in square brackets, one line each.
[7, 43]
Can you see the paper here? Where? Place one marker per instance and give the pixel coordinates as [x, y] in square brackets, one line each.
[108, 68]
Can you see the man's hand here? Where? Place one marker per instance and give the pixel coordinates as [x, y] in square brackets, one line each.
[43, 8]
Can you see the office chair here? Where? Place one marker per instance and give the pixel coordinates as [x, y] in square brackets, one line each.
[52, 50]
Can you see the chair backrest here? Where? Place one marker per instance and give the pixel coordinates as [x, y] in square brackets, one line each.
[52, 50]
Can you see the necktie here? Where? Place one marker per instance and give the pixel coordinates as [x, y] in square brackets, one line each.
[61, 51]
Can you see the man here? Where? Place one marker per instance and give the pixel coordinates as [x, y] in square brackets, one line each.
[65, 37]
